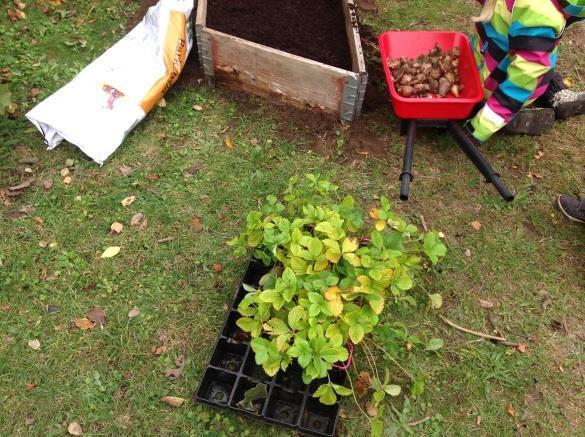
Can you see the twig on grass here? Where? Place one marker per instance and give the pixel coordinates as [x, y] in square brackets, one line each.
[424, 223]
[477, 334]
[419, 422]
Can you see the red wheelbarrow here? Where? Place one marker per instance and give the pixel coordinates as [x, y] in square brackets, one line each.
[446, 112]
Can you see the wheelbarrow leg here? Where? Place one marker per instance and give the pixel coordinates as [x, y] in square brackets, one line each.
[406, 176]
[480, 162]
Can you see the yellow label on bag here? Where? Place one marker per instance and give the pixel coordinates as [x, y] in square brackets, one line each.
[174, 57]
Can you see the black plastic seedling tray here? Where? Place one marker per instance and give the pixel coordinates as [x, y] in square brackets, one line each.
[232, 371]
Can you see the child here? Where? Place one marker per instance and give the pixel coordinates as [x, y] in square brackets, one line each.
[516, 50]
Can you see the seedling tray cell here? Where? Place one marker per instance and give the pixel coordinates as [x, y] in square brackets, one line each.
[232, 371]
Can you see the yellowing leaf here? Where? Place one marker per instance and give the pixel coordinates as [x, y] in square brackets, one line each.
[111, 252]
[380, 225]
[229, 143]
[332, 293]
[350, 245]
[374, 214]
[510, 410]
[353, 259]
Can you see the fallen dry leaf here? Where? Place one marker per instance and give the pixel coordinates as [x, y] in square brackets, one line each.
[20, 213]
[217, 268]
[16, 14]
[229, 143]
[19, 4]
[67, 180]
[539, 155]
[159, 350]
[64, 172]
[521, 348]
[371, 409]
[110, 252]
[162, 103]
[476, 225]
[225, 308]
[21, 186]
[125, 170]
[97, 315]
[198, 107]
[48, 184]
[139, 220]
[153, 177]
[134, 312]
[69, 162]
[38, 220]
[84, 324]
[29, 421]
[74, 428]
[34, 92]
[34, 344]
[362, 384]
[128, 200]
[173, 401]
[478, 420]
[510, 410]
[176, 373]
[116, 227]
[468, 253]
[486, 304]
[30, 386]
[196, 223]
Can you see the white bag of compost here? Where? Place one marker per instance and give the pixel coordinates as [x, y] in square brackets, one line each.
[101, 105]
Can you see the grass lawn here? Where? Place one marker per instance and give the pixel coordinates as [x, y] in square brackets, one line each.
[526, 259]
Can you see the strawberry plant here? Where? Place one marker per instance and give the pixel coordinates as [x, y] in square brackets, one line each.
[331, 280]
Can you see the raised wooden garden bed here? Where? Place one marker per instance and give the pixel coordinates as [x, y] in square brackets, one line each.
[287, 53]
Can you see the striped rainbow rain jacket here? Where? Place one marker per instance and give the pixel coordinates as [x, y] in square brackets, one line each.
[516, 53]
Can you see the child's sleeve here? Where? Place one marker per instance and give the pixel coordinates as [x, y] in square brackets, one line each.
[532, 54]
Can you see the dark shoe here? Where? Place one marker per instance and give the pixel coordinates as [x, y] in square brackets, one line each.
[572, 208]
[531, 121]
[567, 103]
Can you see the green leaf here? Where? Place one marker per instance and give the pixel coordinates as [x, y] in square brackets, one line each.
[356, 333]
[393, 389]
[434, 344]
[276, 327]
[315, 247]
[418, 387]
[301, 350]
[272, 296]
[385, 203]
[377, 239]
[434, 247]
[295, 316]
[341, 390]
[325, 394]
[436, 301]
[253, 326]
[256, 393]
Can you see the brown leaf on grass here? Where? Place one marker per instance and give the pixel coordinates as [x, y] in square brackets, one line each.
[128, 200]
[134, 312]
[139, 221]
[217, 268]
[476, 225]
[69, 162]
[29, 421]
[97, 315]
[30, 386]
[162, 103]
[116, 227]
[34, 92]
[74, 428]
[153, 177]
[176, 372]
[198, 108]
[64, 172]
[125, 170]
[67, 180]
[510, 410]
[362, 383]
[34, 344]
[478, 420]
[159, 350]
[20, 213]
[16, 14]
[196, 223]
[173, 401]
[84, 324]
[539, 155]
[48, 184]
[468, 253]
[486, 304]
[521, 348]
[19, 4]
[38, 220]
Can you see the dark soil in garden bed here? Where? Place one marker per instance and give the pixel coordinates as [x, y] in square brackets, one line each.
[314, 29]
